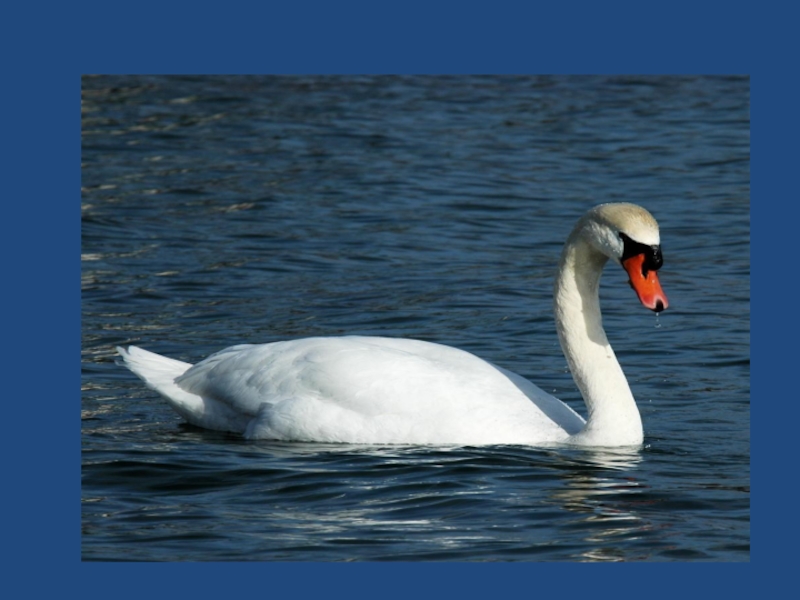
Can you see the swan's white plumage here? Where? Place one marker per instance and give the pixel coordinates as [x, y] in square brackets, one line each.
[385, 390]
[357, 389]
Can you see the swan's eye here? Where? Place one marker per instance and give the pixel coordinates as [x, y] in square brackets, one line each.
[652, 254]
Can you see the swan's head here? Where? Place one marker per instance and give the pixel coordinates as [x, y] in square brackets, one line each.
[628, 234]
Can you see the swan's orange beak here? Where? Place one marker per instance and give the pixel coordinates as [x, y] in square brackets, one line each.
[647, 286]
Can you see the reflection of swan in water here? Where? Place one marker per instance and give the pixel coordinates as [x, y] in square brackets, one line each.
[612, 459]
[376, 390]
[602, 491]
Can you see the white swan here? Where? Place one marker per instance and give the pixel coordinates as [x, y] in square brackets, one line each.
[384, 391]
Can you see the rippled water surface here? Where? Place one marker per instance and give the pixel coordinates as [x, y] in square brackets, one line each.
[222, 210]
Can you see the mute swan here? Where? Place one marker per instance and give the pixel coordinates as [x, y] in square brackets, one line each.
[399, 391]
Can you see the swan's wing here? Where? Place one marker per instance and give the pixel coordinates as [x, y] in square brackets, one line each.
[376, 390]
[367, 375]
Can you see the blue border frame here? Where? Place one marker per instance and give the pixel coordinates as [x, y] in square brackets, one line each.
[51, 46]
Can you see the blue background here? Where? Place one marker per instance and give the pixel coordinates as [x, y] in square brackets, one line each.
[48, 48]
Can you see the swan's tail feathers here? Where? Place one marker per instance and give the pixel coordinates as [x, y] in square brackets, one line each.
[160, 372]
[153, 368]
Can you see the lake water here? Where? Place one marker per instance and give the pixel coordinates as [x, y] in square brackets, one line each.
[222, 210]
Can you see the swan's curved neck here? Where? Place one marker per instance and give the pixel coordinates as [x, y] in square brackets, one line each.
[613, 418]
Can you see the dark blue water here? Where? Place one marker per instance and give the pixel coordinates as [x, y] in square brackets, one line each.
[222, 210]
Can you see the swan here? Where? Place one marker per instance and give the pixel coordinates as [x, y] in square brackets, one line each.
[377, 390]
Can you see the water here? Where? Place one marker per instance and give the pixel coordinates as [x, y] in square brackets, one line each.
[221, 210]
